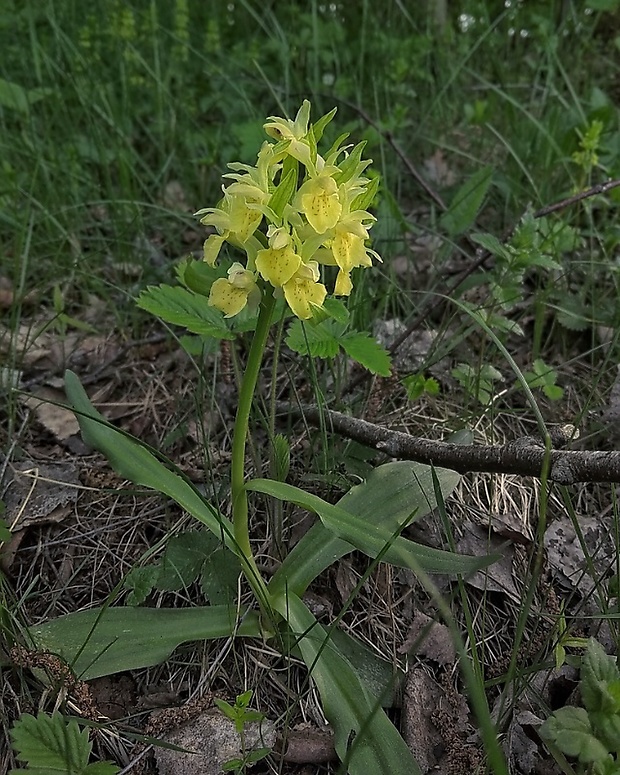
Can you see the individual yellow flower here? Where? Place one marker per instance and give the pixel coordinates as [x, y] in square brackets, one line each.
[236, 219]
[303, 292]
[279, 262]
[318, 199]
[345, 247]
[262, 174]
[230, 295]
[295, 132]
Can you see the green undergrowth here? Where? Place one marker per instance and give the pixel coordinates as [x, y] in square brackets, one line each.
[117, 122]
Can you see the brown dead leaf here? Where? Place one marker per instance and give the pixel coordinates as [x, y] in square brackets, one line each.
[38, 494]
[58, 420]
[437, 170]
[435, 719]
[499, 576]
[31, 345]
[346, 579]
[566, 555]
[430, 639]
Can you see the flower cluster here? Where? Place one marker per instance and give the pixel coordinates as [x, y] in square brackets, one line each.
[312, 210]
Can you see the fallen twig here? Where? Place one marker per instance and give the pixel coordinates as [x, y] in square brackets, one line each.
[525, 456]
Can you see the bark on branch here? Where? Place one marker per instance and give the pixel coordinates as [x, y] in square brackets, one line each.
[524, 457]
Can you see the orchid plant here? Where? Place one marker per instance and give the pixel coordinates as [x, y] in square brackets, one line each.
[291, 217]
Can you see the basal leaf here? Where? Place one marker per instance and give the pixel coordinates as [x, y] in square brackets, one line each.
[390, 494]
[375, 540]
[102, 641]
[182, 307]
[132, 460]
[365, 739]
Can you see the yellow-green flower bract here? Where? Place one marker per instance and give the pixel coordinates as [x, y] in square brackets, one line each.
[313, 211]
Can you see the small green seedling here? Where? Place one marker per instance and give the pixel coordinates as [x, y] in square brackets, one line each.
[478, 383]
[544, 377]
[418, 385]
[565, 640]
[240, 714]
[591, 734]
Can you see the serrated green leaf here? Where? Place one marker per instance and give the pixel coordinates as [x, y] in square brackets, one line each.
[606, 727]
[51, 743]
[572, 314]
[490, 243]
[183, 559]
[220, 577]
[140, 582]
[368, 352]
[569, 728]
[182, 307]
[336, 310]
[466, 203]
[318, 341]
[599, 674]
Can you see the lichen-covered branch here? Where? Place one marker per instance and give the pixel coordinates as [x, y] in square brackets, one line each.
[524, 457]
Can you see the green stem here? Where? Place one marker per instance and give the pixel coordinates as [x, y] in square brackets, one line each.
[240, 433]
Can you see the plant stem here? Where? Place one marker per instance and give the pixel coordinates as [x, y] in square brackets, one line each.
[240, 433]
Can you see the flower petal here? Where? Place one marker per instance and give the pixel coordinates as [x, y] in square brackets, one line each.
[343, 286]
[211, 248]
[319, 202]
[302, 295]
[228, 299]
[277, 266]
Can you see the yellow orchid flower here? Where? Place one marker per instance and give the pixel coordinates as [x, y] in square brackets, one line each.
[262, 174]
[295, 132]
[303, 292]
[279, 262]
[236, 219]
[230, 295]
[319, 200]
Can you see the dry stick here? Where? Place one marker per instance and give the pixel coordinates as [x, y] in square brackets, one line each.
[524, 456]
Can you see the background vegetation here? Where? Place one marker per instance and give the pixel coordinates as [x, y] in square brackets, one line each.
[117, 120]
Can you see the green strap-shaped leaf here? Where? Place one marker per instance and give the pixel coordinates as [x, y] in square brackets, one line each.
[132, 460]
[391, 493]
[102, 641]
[364, 737]
[373, 539]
